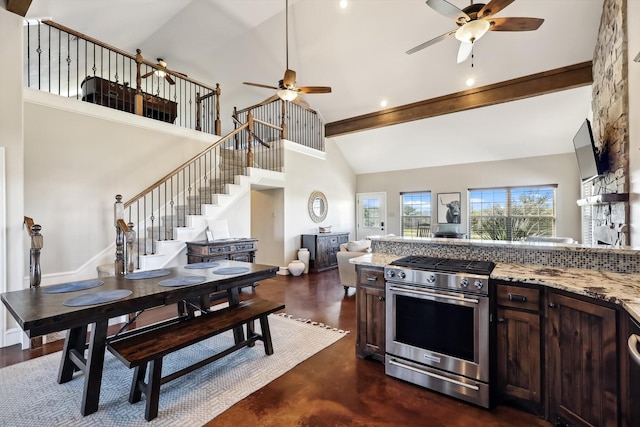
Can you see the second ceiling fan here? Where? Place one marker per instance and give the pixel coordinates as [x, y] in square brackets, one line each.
[474, 21]
[287, 89]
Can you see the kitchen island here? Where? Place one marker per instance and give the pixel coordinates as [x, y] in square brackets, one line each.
[560, 332]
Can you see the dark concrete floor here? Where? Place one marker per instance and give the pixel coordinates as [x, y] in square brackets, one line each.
[333, 387]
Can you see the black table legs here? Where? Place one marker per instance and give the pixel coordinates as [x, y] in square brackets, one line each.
[73, 360]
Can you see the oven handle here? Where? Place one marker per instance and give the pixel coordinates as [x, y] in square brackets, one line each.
[431, 374]
[439, 296]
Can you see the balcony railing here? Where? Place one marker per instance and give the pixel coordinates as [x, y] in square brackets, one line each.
[64, 62]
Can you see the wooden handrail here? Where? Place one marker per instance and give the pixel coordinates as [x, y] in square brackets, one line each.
[29, 223]
[122, 52]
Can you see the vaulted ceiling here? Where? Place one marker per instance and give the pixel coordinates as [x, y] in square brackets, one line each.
[360, 52]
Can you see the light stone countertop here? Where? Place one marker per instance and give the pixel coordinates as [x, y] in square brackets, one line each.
[617, 288]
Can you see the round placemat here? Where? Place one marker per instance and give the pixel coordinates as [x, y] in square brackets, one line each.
[231, 270]
[182, 281]
[72, 286]
[150, 274]
[99, 297]
[202, 265]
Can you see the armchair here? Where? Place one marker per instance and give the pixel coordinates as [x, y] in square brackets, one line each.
[346, 270]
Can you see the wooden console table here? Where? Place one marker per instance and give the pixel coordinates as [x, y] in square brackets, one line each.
[322, 249]
[122, 97]
[243, 249]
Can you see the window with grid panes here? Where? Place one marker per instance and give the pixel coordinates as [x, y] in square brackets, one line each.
[512, 213]
[416, 214]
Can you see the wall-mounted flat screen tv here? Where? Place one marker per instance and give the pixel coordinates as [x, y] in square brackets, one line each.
[590, 162]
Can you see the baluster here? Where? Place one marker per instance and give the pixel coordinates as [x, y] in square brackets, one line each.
[131, 239]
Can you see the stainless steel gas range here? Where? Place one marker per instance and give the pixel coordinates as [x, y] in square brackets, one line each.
[438, 323]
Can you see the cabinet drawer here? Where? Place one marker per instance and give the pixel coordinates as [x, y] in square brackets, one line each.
[519, 297]
[371, 277]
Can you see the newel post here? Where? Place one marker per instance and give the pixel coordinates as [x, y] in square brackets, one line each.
[138, 96]
[35, 273]
[118, 215]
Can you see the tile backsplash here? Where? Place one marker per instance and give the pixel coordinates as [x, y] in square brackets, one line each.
[618, 260]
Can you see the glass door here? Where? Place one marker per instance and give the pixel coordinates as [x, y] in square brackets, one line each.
[372, 214]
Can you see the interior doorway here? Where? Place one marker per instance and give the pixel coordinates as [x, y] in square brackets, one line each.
[371, 214]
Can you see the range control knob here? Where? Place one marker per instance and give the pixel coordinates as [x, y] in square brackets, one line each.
[431, 278]
[391, 273]
[478, 284]
[402, 275]
[464, 283]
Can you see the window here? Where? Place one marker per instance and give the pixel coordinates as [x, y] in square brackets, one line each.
[416, 214]
[512, 213]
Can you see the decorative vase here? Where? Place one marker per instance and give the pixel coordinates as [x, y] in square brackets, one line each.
[296, 267]
[303, 255]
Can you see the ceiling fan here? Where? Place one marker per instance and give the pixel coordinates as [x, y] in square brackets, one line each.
[474, 21]
[287, 89]
[161, 72]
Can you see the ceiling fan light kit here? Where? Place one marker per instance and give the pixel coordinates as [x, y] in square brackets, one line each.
[472, 31]
[287, 94]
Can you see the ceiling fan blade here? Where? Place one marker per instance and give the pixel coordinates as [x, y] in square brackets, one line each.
[515, 24]
[493, 7]
[314, 89]
[289, 79]
[169, 79]
[464, 51]
[430, 42]
[144, 76]
[259, 85]
[300, 101]
[445, 8]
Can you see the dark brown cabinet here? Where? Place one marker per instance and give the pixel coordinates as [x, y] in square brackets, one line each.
[233, 249]
[519, 348]
[370, 309]
[322, 249]
[582, 362]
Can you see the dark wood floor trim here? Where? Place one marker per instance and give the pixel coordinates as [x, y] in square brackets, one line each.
[563, 78]
[18, 7]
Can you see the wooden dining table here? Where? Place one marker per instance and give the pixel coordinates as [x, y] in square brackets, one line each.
[39, 311]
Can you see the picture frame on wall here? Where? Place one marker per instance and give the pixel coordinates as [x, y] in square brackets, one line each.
[449, 208]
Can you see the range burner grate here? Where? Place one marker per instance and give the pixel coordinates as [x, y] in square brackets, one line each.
[448, 265]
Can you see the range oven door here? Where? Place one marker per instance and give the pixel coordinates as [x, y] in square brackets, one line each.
[445, 330]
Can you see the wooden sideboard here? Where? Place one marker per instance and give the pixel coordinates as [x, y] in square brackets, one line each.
[322, 249]
[243, 249]
[122, 97]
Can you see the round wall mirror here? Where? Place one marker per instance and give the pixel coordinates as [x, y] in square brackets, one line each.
[318, 206]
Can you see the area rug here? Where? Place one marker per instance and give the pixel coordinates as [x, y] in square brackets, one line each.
[31, 396]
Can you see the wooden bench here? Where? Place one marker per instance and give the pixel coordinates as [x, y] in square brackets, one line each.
[150, 346]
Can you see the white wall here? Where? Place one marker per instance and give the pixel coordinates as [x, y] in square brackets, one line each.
[560, 169]
[267, 225]
[308, 171]
[78, 157]
[11, 138]
[633, 40]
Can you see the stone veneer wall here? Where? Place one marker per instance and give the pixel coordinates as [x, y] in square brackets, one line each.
[611, 260]
[610, 105]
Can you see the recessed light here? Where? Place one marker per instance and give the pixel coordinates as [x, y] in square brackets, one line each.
[344, 4]
[470, 81]
[383, 103]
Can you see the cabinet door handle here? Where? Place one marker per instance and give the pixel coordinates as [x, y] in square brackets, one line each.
[517, 298]
[633, 347]
[501, 320]
[372, 279]
[380, 299]
[552, 305]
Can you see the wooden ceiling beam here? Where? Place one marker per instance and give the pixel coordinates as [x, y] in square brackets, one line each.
[19, 7]
[559, 79]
